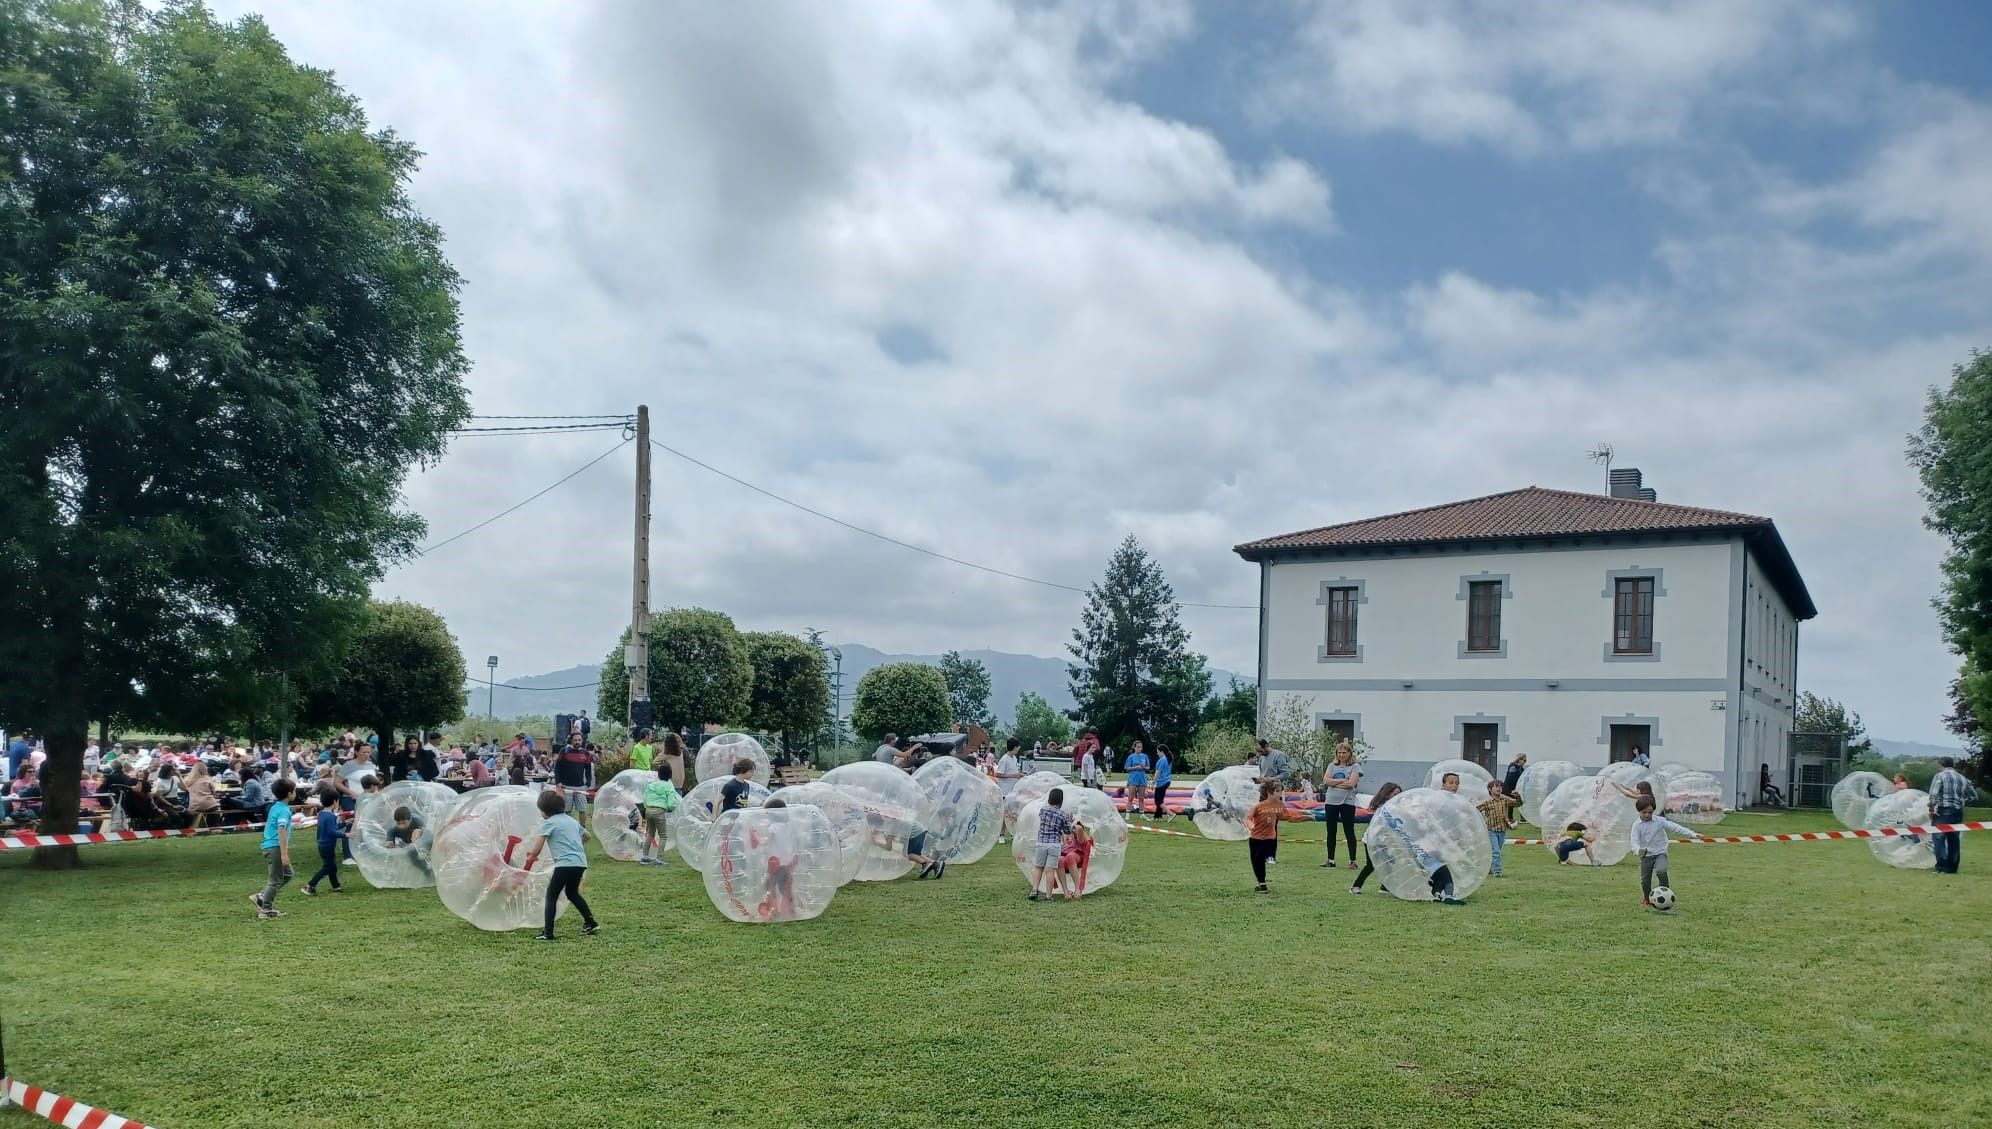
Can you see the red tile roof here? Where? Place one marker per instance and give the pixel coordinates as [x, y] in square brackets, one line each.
[1530, 512]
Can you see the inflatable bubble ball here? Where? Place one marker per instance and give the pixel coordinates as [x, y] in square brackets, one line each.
[1539, 779]
[1694, 798]
[717, 755]
[968, 810]
[479, 860]
[696, 812]
[1601, 808]
[1092, 809]
[1909, 807]
[846, 812]
[1630, 775]
[389, 863]
[1029, 790]
[1221, 800]
[769, 865]
[896, 813]
[1420, 830]
[1472, 779]
[1853, 794]
[615, 820]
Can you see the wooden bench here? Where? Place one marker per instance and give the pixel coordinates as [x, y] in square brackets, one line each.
[790, 775]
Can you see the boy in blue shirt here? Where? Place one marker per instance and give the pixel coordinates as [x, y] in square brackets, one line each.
[276, 850]
[560, 837]
[330, 836]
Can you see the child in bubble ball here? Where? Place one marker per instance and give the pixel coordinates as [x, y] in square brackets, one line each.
[1073, 860]
[1575, 838]
[779, 903]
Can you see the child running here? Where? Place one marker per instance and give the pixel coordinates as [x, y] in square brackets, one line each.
[276, 850]
[560, 835]
[1499, 808]
[660, 799]
[1262, 825]
[1649, 838]
[330, 835]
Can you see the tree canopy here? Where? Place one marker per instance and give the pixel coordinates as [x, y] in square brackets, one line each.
[791, 686]
[402, 669]
[968, 689]
[1038, 721]
[902, 698]
[1133, 673]
[228, 336]
[1236, 709]
[1950, 454]
[699, 671]
[1826, 715]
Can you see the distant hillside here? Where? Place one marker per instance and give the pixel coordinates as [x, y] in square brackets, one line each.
[1009, 676]
[1914, 750]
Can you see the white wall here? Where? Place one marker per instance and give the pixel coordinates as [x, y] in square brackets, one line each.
[1765, 708]
[1557, 620]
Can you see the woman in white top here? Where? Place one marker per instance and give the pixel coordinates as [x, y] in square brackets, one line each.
[1338, 799]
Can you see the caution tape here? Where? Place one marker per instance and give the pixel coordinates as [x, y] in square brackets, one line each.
[61, 1110]
[28, 840]
[1810, 836]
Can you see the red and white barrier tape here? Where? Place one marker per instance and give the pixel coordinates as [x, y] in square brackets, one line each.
[29, 839]
[1809, 836]
[61, 1110]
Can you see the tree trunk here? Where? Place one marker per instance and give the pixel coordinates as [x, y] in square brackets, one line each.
[68, 730]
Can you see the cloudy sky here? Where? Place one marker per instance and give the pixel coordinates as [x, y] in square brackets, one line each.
[1013, 281]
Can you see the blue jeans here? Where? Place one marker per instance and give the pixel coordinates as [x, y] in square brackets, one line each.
[1948, 843]
[1497, 839]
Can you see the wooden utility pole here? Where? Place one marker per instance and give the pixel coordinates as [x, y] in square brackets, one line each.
[637, 655]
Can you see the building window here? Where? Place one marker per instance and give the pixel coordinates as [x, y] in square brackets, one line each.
[1483, 615]
[1632, 616]
[1341, 621]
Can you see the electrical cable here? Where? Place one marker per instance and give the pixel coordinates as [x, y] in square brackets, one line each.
[605, 426]
[906, 544]
[427, 549]
[616, 417]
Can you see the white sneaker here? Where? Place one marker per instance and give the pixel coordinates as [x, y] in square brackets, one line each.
[352, 862]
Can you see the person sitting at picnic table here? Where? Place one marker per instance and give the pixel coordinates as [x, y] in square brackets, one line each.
[480, 773]
[255, 795]
[142, 811]
[203, 802]
[170, 795]
[24, 797]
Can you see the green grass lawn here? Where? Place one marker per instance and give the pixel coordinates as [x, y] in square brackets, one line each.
[1798, 984]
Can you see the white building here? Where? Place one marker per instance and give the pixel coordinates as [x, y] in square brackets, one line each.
[1564, 625]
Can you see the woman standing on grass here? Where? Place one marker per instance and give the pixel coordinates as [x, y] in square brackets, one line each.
[1338, 799]
[1382, 797]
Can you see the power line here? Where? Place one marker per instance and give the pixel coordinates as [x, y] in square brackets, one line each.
[904, 544]
[606, 426]
[621, 416]
[531, 689]
[427, 549]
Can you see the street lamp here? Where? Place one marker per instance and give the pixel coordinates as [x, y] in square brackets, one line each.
[491, 686]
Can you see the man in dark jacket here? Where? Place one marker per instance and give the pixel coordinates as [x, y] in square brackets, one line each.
[1512, 783]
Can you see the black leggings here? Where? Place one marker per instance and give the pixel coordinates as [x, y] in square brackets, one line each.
[566, 880]
[1442, 880]
[1363, 875]
[1344, 814]
[1262, 849]
[1161, 793]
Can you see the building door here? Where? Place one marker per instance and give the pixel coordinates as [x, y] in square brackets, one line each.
[1479, 743]
[1339, 731]
[1626, 738]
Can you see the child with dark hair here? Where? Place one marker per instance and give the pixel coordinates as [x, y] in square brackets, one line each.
[1649, 839]
[1576, 837]
[1262, 828]
[1382, 797]
[330, 836]
[276, 850]
[1046, 854]
[560, 836]
[733, 794]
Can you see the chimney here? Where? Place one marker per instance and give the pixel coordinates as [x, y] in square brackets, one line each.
[1647, 494]
[1625, 482]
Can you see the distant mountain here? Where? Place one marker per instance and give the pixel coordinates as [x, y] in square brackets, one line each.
[565, 691]
[1914, 750]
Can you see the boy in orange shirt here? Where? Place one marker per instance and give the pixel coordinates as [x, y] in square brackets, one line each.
[1262, 827]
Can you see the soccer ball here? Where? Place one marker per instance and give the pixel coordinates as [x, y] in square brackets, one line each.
[1662, 898]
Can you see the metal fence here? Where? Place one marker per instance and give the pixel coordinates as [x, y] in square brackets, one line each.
[1817, 761]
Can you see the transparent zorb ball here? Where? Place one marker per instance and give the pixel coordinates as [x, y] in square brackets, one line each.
[717, 755]
[1419, 830]
[697, 810]
[479, 860]
[1222, 800]
[767, 865]
[1601, 808]
[1909, 807]
[968, 810]
[387, 863]
[1627, 774]
[617, 824]
[1472, 778]
[1095, 811]
[846, 812]
[1694, 797]
[1031, 789]
[1853, 794]
[896, 812]
[1539, 779]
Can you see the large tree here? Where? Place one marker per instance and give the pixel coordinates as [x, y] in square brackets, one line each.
[699, 671]
[226, 336]
[1236, 708]
[1038, 721]
[968, 689]
[403, 669]
[1827, 715]
[902, 698]
[1133, 673]
[791, 686]
[1953, 455]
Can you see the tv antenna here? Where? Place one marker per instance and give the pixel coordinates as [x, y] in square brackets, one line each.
[1602, 453]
